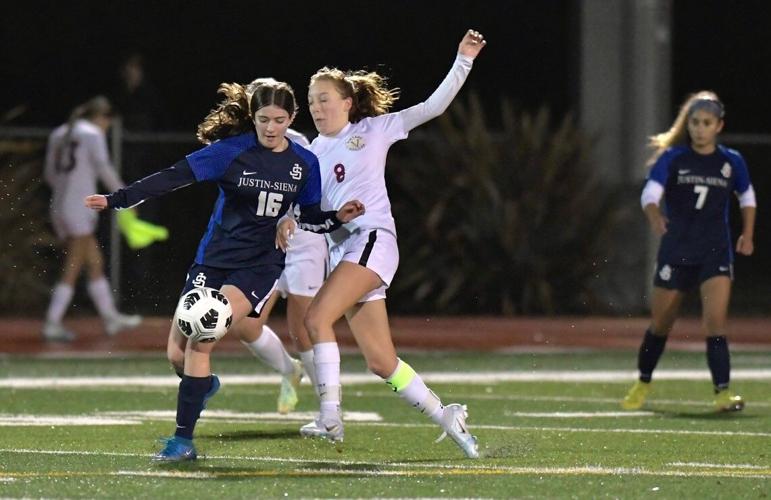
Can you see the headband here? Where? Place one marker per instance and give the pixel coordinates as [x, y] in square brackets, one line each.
[709, 105]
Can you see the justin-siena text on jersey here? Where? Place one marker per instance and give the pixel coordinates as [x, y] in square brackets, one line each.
[287, 187]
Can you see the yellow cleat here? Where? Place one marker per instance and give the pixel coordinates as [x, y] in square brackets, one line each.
[635, 398]
[287, 397]
[726, 400]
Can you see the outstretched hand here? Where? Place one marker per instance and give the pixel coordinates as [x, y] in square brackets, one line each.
[472, 44]
[350, 211]
[96, 202]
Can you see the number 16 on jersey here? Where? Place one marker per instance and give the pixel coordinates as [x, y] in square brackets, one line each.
[269, 204]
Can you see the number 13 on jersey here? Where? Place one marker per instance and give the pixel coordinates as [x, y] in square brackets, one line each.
[269, 204]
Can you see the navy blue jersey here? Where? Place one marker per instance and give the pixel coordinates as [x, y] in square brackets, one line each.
[256, 187]
[697, 194]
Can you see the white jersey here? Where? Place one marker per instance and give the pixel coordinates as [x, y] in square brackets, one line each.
[353, 161]
[74, 163]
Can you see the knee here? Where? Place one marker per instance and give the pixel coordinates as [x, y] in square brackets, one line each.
[313, 322]
[381, 367]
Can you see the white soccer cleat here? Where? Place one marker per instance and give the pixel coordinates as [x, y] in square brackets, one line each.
[287, 396]
[55, 332]
[329, 427]
[454, 425]
[119, 322]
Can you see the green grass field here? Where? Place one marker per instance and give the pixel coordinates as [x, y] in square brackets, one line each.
[549, 425]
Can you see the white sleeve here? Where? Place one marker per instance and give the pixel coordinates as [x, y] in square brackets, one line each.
[652, 193]
[438, 102]
[747, 198]
[101, 161]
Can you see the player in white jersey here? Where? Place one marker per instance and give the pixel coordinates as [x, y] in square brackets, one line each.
[350, 111]
[76, 158]
[304, 272]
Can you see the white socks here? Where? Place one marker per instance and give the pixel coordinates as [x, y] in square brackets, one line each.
[101, 296]
[60, 301]
[326, 357]
[306, 357]
[269, 349]
[410, 387]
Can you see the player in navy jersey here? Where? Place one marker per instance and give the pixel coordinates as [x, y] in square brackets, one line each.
[696, 177]
[260, 175]
[350, 111]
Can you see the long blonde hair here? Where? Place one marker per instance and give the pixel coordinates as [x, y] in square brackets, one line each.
[678, 132]
[368, 91]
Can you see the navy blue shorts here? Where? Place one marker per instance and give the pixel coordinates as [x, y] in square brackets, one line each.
[687, 277]
[256, 283]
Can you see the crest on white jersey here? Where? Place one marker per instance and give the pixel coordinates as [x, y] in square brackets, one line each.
[666, 273]
[297, 172]
[726, 170]
[355, 143]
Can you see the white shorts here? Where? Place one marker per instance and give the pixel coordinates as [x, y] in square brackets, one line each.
[307, 262]
[72, 223]
[375, 249]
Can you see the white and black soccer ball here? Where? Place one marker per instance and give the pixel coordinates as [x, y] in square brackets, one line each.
[203, 314]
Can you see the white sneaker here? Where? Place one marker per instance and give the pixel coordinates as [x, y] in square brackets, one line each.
[328, 427]
[55, 332]
[287, 396]
[454, 425]
[115, 324]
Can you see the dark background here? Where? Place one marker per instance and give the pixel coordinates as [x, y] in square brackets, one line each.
[54, 54]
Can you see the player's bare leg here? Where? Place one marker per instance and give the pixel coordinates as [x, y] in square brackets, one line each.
[74, 258]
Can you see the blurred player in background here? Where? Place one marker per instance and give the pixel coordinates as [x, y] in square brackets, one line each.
[696, 177]
[260, 174]
[350, 111]
[76, 158]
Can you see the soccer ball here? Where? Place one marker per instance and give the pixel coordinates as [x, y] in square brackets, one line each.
[203, 314]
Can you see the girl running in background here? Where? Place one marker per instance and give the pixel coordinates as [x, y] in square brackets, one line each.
[76, 158]
[696, 177]
[260, 174]
[350, 111]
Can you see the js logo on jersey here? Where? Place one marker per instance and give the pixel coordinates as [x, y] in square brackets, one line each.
[666, 273]
[355, 143]
[726, 170]
[200, 280]
[297, 172]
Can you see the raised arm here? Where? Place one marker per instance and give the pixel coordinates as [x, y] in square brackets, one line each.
[468, 49]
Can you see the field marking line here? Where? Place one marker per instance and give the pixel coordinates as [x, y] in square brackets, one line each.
[406, 470]
[607, 376]
[579, 414]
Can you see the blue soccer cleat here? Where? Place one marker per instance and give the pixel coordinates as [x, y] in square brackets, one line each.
[215, 386]
[176, 449]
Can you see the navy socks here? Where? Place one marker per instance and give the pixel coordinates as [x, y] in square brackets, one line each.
[190, 403]
[650, 351]
[719, 361]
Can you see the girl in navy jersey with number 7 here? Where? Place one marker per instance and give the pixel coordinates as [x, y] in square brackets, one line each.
[259, 176]
[696, 177]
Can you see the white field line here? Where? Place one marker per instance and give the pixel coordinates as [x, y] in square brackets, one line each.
[363, 421]
[62, 420]
[618, 376]
[579, 414]
[716, 466]
[138, 417]
[392, 469]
